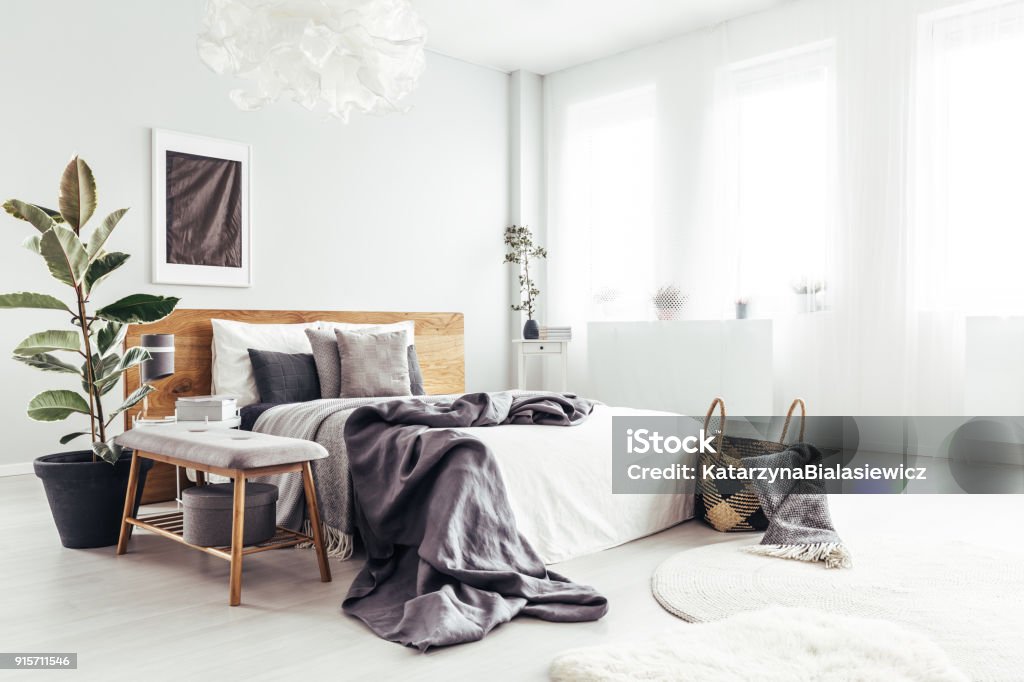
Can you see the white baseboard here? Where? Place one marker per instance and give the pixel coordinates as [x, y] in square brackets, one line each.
[19, 469]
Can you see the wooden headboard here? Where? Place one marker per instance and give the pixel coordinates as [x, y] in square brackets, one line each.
[439, 347]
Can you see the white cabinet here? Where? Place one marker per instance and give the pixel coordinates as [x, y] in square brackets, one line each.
[680, 366]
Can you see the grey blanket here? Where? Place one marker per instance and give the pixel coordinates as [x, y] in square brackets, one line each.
[799, 523]
[445, 562]
[321, 421]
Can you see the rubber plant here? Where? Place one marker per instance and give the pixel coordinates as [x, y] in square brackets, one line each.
[81, 262]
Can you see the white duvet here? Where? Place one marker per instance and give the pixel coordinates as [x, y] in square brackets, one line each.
[559, 481]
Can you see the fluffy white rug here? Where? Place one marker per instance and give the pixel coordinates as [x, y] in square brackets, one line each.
[966, 598]
[778, 644]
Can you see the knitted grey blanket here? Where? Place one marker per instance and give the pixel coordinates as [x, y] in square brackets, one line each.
[445, 561]
[799, 524]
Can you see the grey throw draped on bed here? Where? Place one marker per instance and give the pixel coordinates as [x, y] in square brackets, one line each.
[445, 562]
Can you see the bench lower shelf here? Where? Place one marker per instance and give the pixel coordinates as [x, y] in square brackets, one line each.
[170, 525]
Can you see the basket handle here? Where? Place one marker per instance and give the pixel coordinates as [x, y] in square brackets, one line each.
[720, 403]
[789, 416]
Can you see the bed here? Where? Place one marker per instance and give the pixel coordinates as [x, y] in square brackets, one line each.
[558, 480]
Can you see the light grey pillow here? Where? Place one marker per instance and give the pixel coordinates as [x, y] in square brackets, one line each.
[375, 364]
[328, 367]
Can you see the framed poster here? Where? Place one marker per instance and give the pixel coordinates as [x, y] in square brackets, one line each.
[202, 224]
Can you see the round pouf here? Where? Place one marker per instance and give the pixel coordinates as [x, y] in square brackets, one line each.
[208, 512]
[969, 599]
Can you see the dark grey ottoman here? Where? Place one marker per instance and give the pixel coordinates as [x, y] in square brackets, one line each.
[208, 509]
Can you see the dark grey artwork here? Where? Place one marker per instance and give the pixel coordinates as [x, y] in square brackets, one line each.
[204, 210]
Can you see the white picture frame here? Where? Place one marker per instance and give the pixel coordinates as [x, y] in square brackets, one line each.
[175, 269]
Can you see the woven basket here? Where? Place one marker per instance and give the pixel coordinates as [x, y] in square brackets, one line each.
[733, 506]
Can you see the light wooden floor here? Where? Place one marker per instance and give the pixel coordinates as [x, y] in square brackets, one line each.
[160, 612]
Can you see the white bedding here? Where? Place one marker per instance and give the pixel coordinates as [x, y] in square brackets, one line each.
[559, 481]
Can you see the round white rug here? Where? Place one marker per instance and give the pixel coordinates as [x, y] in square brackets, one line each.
[968, 599]
[773, 645]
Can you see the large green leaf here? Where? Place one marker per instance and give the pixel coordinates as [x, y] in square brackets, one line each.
[64, 254]
[138, 308]
[132, 400]
[109, 452]
[55, 216]
[31, 213]
[64, 440]
[110, 368]
[53, 406]
[25, 299]
[44, 342]
[101, 267]
[32, 243]
[112, 334]
[99, 235]
[48, 363]
[77, 200]
[105, 377]
[132, 357]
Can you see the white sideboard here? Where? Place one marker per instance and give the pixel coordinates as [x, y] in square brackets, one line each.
[679, 366]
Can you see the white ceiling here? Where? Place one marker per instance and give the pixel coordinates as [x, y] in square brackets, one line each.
[549, 35]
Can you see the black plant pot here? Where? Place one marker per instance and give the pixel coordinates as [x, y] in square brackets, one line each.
[86, 497]
[531, 330]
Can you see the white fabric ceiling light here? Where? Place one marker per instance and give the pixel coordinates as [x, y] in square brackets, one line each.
[336, 55]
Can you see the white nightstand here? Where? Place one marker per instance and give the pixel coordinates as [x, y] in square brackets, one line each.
[232, 423]
[544, 349]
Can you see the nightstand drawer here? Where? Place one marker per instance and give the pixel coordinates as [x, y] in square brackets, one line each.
[542, 348]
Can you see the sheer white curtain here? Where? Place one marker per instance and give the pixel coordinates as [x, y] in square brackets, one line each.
[968, 212]
[611, 151]
[873, 146]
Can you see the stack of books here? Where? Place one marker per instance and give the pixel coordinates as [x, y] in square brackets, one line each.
[206, 408]
[556, 333]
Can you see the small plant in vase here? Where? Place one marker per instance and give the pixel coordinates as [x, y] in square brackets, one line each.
[521, 248]
[808, 292]
[85, 489]
[668, 302]
[741, 308]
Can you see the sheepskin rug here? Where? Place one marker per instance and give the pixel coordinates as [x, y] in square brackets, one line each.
[778, 644]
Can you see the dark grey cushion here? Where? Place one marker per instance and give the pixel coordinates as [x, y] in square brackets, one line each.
[284, 377]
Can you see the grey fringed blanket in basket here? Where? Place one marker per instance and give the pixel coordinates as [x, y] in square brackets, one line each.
[799, 523]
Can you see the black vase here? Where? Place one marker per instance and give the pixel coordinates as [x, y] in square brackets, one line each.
[86, 497]
[531, 330]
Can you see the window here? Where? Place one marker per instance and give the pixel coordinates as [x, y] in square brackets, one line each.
[611, 184]
[969, 219]
[777, 116]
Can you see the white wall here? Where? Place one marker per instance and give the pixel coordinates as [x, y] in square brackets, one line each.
[403, 212]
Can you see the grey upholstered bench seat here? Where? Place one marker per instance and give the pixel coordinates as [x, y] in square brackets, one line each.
[222, 448]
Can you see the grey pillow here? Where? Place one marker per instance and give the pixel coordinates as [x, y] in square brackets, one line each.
[284, 377]
[374, 364]
[415, 374]
[328, 364]
[328, 367]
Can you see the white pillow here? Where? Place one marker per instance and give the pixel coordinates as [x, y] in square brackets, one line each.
[408, 326]
[232, 369]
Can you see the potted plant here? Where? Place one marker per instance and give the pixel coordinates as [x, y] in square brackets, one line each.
[741, 308]
[668, 302]
[85, 488]
[519, 241]
[808, 292]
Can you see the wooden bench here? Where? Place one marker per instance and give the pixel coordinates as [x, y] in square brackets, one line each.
[237, 455]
